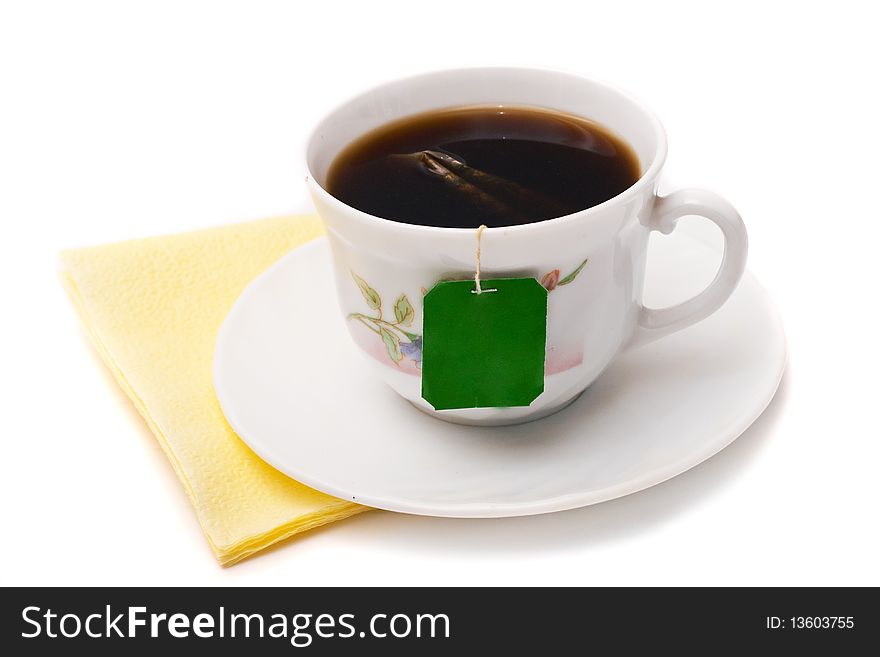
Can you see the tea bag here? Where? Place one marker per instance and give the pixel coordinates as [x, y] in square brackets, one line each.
[502, 188]
[431, 164]
[492, 193]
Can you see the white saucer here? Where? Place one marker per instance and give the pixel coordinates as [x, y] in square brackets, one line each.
[294, 388]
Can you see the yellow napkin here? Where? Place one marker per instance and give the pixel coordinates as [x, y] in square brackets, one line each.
[153, 307]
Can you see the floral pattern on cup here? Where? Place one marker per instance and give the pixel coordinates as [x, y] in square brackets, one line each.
[399, 343]
[403, 346]
[551, 279]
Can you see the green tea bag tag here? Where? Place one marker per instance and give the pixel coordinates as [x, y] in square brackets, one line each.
[484, 342]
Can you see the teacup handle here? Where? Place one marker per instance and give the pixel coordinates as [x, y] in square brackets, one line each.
[655, 323]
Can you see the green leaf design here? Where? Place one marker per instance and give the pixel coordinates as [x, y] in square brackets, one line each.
[412, 336]
[372, 297]
[573, 275]
[403, 311]
[392, 344]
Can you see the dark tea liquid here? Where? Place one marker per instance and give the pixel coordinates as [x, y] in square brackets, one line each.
[498, 166]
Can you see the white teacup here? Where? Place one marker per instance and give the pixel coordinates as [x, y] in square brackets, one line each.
[590, 320]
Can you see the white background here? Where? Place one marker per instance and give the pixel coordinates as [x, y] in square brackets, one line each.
[124, 119]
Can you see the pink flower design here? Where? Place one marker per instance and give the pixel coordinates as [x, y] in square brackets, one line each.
[550, 279]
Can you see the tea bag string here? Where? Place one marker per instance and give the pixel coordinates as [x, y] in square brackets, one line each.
[480, 289]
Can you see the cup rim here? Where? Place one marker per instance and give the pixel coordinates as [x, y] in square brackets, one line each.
[650, 173]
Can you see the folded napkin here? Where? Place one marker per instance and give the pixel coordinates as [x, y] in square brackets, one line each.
[153, 307]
